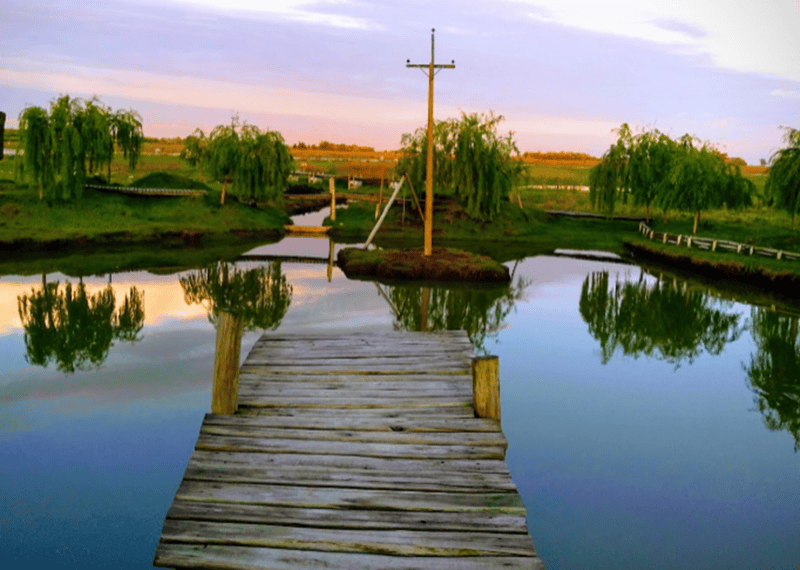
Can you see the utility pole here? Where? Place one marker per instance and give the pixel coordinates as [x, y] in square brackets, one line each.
[432, 69]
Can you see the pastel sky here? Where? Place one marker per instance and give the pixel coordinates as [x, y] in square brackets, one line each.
[563, 73]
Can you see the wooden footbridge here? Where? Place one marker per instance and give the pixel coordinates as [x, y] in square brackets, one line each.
[348, 452]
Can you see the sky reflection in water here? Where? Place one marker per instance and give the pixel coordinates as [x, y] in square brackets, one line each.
[633, 463]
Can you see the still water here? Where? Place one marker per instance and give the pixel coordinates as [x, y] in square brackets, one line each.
[650, 423]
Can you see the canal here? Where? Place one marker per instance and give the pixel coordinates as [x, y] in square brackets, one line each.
[652, 422]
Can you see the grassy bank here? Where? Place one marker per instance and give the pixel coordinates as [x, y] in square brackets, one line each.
[778, 276]
[518, 232]
[98, 218]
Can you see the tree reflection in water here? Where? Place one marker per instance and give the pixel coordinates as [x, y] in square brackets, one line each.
[259, 296]
[667, 319]
[72, 328]
[481, 311]
[774, 370]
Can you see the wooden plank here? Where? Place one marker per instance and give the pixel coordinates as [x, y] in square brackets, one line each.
[354, 449]
[360, 464]
[223, 557]
[371, 385]
[394, 350]
[353, 402]
[367, 436]
[361, 499]
[391, 542]
[258, 374]
[345, 366]
[433, 412]
[306, 418]
[321, 477]
[478, 521]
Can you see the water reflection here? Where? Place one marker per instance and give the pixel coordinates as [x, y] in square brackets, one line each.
[479, 311]
[260, 297]
[774, 370]
[72, 328]
[666, 319]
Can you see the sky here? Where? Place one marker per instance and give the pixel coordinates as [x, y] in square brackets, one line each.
[563, 73]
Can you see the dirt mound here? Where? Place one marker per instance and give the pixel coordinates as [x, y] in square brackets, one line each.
[442, 265]
[168, 181]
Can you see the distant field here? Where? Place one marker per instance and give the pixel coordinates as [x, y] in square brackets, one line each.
[559, 169]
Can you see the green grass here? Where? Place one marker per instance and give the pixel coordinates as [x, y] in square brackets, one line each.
[553, 175]
[521, 232]
[103, 218]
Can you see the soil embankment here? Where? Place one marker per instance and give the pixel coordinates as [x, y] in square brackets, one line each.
[786, 283]
[442, 265]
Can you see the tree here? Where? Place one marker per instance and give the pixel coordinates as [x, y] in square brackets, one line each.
[72, 328]
[610, 176]
[783, 179]
[195, 150]
[654, 169]
[471, 162]
[774, 370]
[700, 180]
[62, 146]
[667, 319]
[256, 163]
[260, 297]
[480, 312]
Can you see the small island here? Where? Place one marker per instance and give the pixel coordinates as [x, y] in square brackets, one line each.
[443, 264]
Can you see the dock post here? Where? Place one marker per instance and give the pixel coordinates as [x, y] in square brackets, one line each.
[2, 132]
[486, 386]
[332, 187]
[225, 394]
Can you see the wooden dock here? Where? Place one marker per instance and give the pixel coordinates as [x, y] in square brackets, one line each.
[348, 452]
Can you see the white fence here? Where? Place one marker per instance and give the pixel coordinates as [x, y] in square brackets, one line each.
[712, 244]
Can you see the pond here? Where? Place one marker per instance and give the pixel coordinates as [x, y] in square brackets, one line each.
[651, 424]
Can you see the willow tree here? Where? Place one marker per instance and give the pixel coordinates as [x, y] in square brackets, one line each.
[126, 130]
[667, 319]
[260, 296]
[783, 181]
[60, 147]
[609, 178]
[76, 329]
[470, 162]
[701, 180]
[774, 370]
[480, 311]
[195, 150]
[256, 163]
[653, 169]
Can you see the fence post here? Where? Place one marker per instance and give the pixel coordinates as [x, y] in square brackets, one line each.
[680, 238]
[666, 237]
[780, 254]
[689, 242]
[225, 393]
[486, 386]
[714, 246]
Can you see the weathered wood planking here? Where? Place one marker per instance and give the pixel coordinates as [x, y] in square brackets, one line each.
[350, 451]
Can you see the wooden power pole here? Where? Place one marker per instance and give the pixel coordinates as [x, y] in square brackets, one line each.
[432, 68]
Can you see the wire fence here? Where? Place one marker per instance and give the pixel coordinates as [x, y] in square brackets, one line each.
[712, 244]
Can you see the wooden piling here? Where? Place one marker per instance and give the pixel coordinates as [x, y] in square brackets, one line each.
[224, 398]
[486, 387]
[332, 188]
